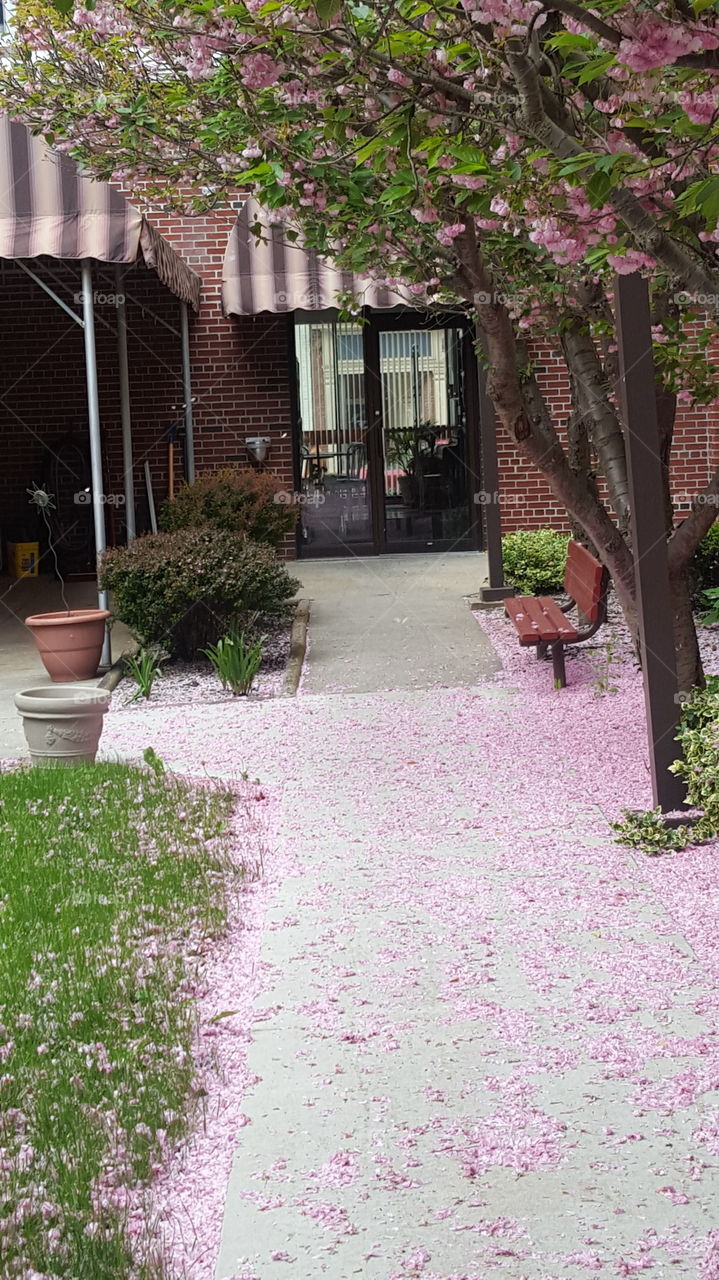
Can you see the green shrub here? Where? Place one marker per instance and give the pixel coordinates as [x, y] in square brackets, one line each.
[711, 600]
[534, 561]
[705, 565]
[182, 591]
[251, 503]
[698, 736]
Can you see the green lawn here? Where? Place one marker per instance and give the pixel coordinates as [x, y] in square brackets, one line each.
[111, 878]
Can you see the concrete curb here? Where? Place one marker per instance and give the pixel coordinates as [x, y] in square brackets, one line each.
[298, 648]
[112, 678]
[479, 606]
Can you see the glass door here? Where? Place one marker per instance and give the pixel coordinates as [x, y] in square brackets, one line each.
[401, 483]
[334, 473]
[424, 438]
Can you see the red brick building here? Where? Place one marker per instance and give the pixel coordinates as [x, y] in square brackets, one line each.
[294, 377]
[372, 430]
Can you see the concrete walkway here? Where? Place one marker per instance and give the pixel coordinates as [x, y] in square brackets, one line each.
[394, 622]
[485, 1038]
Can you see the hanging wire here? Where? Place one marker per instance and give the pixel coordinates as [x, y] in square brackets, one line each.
[44, 502]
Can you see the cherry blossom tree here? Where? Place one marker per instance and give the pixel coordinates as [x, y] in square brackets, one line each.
[506, 156]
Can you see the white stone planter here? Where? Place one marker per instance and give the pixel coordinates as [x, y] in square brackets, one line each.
[63, 725]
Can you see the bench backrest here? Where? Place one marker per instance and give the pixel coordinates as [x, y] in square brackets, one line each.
[585, 580]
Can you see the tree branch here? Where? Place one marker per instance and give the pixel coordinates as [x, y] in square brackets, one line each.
[647, 234]
[588, 20]
[687, 536]
[606, 434]
[706, 60]
[522, 412]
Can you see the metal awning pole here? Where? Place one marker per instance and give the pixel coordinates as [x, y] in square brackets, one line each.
[93, 413]
[649, 534]
[125, 411]
[187, 394]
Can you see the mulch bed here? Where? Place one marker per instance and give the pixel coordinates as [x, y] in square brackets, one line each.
[187, 682]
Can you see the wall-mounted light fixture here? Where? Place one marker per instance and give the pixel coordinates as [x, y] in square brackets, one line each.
[258, 448]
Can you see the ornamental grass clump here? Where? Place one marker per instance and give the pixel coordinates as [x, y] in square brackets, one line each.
[182, 591]
[235, 661]
[112, 879]
[144, 667]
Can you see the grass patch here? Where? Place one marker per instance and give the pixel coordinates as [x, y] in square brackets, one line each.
[112, 878]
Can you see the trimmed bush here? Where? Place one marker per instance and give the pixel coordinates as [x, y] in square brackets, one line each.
[705, 565]
[250, 503]
[184, 590]
[534, 561]
[698, 766]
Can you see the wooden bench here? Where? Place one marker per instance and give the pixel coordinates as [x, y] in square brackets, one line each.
[542, 622]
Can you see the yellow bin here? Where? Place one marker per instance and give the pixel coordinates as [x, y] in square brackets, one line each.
[23, 559]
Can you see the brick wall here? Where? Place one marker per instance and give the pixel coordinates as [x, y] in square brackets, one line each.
[240, 366]
[240, 373]
[525, 497]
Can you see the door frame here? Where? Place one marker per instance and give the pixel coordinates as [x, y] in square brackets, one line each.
[374, 322]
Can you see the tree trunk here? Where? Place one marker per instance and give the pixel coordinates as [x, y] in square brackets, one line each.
[690, 673]
[589, 393]
[666, 414]
[579, 453]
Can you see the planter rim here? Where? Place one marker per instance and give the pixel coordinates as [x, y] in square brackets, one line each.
[56, 700]
[64, 616]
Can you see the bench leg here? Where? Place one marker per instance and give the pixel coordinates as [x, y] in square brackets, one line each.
[560, 675]
[541, 651]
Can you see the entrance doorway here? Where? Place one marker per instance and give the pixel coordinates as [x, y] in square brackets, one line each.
[387, 434]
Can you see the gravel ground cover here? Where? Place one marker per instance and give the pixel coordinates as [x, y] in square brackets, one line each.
[185, 682]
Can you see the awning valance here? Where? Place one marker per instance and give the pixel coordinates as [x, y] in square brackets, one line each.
[48, 208]
[277, 274]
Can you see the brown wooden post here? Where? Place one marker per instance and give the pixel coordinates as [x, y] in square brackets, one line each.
[637, 390]
[497, 590]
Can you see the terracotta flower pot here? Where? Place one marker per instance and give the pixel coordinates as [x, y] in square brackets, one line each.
[69, 642]
[63, 725]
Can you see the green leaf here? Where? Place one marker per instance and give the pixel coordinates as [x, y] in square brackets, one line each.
[595, 68]
[570, 40]
[369, 149]
[327, 9]
[397, 192]
[701, 197]
[607, 162]
[598, 188]
[576, 163]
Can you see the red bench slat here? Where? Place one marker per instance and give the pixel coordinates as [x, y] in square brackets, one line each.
[532, 624]
[583, 580]
[565, 628]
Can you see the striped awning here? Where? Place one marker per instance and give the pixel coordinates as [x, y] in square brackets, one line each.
[274, 273]
[48, 208]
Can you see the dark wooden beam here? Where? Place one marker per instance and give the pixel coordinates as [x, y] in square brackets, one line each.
[637, 389]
